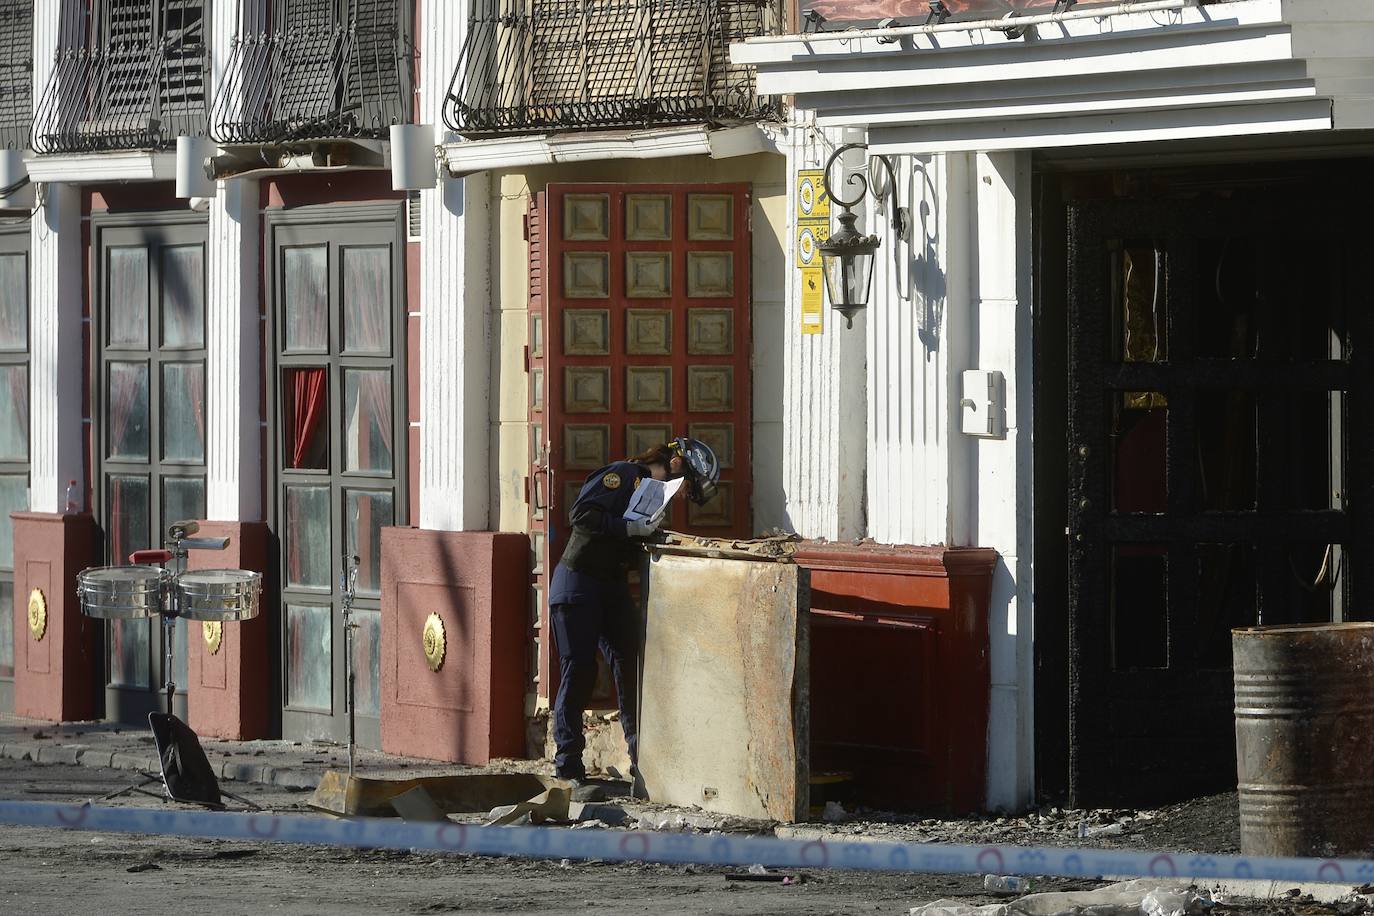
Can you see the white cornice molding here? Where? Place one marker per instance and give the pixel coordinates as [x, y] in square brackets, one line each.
[1239, 68]
[91, 168]
[768, 51]
[464, 158]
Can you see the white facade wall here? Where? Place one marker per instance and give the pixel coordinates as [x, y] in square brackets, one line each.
[920, 340]
[874, 437]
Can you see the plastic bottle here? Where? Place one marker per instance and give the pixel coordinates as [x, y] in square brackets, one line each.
[1006, 884]
[73, 498]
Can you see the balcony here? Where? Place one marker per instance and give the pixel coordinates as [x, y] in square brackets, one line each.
[316, 83]
[532, 66]
[126, 95]
[16, 73]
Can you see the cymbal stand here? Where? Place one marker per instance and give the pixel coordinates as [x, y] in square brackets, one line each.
[174, 560]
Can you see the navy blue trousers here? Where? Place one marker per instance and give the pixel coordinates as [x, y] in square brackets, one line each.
[580, 629]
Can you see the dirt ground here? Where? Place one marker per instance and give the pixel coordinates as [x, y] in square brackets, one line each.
[58, 872]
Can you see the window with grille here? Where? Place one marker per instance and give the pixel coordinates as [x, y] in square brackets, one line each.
[323, 69]
[16, 72]
[551, 64]
[137, 80]
[134, 33]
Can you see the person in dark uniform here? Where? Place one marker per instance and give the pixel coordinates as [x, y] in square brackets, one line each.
[589, 597]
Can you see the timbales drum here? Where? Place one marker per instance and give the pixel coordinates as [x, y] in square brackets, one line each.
[219, 594]
[122, 592]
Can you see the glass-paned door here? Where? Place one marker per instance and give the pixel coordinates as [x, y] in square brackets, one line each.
[14, 427]
[150, 391]
[340, 427]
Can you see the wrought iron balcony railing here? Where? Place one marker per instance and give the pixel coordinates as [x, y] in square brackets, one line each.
[16, 73]
[137, 95]
[542, 65]
[318, 83]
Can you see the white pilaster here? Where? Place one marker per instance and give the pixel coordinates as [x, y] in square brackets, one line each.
[1003, 484]
[233, 452]
[455, 293]
[919, 342]
[823, 393]
[233, 433]
[56, 351]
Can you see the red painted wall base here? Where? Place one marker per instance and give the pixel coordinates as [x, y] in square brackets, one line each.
[900, 672]
[230, 690]
[59, 676]
[472, 708]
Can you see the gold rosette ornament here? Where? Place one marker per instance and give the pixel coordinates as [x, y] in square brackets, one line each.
[213, 631]
[38, 614]
[434, 641]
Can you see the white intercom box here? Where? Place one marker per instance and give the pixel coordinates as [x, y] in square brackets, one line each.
[983, 404]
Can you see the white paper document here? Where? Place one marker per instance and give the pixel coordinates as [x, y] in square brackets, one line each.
[651, 498]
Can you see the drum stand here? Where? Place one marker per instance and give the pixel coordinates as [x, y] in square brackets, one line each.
[181, 759]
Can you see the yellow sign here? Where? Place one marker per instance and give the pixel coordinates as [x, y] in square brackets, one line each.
[435, 643]
[812, 201]
[810, 234]
[38, 614]
[213, 631]
[812, 302]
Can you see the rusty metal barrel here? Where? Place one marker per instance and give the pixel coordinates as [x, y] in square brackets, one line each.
[1305, 739]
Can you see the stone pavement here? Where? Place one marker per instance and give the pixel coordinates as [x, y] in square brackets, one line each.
[287, 764]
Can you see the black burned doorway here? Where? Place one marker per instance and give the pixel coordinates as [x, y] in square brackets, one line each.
[1218, 404]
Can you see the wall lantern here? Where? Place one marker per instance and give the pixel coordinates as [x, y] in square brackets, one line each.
[847, 256]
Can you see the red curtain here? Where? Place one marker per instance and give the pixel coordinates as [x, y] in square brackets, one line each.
[307, 392]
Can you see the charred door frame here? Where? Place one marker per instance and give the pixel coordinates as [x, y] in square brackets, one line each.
[1093, 376]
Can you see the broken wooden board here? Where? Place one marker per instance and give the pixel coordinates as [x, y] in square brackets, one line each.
[339, 793]
[723, 719]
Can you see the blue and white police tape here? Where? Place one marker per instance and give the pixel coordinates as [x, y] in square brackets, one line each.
[680, 848]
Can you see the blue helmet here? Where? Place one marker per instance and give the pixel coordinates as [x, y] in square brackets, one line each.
[700, 467]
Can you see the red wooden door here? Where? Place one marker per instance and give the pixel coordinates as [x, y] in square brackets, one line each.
[644, 309]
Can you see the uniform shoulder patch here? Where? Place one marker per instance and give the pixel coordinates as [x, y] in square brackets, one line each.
[611, 481]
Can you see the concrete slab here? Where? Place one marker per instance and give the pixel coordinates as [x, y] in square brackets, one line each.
[372, 797]
[724, 691]
[57, 753]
